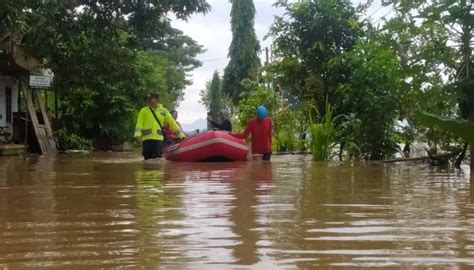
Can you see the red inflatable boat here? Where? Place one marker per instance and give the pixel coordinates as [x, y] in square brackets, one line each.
[209, 146]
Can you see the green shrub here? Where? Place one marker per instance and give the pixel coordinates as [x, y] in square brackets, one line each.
[71, 141]
[256, 95]
[285, 131]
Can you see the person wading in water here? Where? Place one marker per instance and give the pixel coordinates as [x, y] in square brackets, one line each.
[149, 129]
[261, 129]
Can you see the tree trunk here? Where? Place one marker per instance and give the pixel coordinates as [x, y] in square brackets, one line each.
[341, 150]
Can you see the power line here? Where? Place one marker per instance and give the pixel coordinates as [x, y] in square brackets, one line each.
[383, 17]
[214, 59]
[372, 14]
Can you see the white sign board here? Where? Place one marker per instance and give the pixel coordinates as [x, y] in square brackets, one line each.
[40, 81]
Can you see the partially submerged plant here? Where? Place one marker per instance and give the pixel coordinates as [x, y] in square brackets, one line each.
[323, 136]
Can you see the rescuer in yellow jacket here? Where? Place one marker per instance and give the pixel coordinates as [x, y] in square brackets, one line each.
[150, 127]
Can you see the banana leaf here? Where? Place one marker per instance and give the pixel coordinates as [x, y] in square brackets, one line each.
[463, 129]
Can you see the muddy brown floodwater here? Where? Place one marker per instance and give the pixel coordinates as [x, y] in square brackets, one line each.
[114, 211]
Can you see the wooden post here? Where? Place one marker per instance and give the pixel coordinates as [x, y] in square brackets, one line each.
[27, 117]
[43, 133]
[56, 104]
[46, 98]
[47, 124]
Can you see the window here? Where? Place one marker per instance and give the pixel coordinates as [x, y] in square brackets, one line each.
[8, 103]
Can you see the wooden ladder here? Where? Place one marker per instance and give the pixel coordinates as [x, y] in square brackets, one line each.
[44, 133]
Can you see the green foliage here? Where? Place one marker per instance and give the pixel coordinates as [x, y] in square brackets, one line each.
[243, 51]
[216, 103]
[256, 95]
[371, 92]
[306, 39]
[323, 136]
[13, 20]
[71, 141]
[212, 96]
[103, 63]
[433, 40]
[285, 119]
[348, 134]
[459, 128]
[285, 129]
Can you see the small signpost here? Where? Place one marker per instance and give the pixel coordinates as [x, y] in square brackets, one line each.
[42, 82]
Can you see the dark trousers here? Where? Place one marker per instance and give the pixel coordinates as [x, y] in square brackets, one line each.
[267, 156]
[152, 149]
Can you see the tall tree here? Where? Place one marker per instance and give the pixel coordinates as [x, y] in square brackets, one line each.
[306, 38]
[106, 55]
[243, 51]
[436, 38]
[216, 101]
[433, 41]
[212, 97]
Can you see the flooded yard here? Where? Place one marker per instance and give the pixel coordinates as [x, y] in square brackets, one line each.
[113, 210]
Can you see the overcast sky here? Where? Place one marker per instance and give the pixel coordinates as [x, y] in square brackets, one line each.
[213, 32]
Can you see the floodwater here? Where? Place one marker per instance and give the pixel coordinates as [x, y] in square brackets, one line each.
[114, 211]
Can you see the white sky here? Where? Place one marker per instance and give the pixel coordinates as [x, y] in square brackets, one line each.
[213, 32]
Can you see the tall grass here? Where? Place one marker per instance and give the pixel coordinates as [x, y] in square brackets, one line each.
[323, 136]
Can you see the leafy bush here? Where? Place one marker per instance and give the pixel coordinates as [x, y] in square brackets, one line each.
[285, 130]
[372, 92]
[285, 141]
[286, 124]
[348, 129]
[256, 95]
[71, 141]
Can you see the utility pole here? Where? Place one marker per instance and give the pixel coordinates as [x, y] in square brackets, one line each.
[266, 56]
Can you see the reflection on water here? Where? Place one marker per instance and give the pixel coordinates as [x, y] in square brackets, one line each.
[113, 210]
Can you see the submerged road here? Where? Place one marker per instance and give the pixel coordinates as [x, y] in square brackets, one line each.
[112, 210]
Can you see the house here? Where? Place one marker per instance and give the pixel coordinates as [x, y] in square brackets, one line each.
[8, 101]
[16, 69]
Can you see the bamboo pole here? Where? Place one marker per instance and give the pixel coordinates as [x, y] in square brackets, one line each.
[416, 158]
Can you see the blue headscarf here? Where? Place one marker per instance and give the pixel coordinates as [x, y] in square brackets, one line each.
[262, 112]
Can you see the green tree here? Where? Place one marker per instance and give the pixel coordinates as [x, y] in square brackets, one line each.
[370, 92]
[243, 51]
[306, 38]
[443, 31]
[106, 55]
[434, 42]
[211, 96]
[255, 95]
[216, 103]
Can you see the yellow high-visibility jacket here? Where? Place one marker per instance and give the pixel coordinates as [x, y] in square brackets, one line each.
[148, 129]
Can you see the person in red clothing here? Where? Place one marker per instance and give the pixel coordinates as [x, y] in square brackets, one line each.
[261, 129]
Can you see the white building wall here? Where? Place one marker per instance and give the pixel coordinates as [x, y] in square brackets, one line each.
[13, 85]
[3, 118]
[15, 94]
